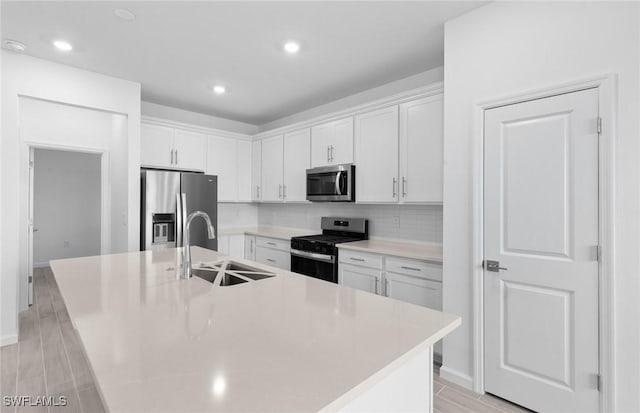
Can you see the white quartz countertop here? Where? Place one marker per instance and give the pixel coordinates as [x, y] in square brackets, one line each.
[269, 232]
[287, 343]
[426, 252]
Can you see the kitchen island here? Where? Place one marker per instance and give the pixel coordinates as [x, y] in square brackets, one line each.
[287, 343]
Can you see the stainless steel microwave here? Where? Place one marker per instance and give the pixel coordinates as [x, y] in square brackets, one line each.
[335, 183]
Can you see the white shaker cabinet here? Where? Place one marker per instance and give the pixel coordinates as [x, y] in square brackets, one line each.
[414, 290]
[222, 162]
[190, 150]
[230, 160]
[274, 252]
[156, 146]
[421, 150]
[250, 247]
[272, 162]
[256, 170]
[166, 147]
[360, 278]
[376, 156]
[332, 143]
[297, 148]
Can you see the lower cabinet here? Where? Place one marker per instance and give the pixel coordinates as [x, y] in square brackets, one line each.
[413, 281]
[250, 247]
[361, 278]
[232, 245]
[274, 252]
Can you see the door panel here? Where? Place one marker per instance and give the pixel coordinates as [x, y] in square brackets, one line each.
[342, 142]
[222, 162]
[156, 146]
[541, 224]
[190, 150]
[297, 153]
[365, 279]
[256, 170]
[272, 169]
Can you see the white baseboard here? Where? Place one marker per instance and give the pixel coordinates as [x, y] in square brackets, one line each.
[40, 264]
[456, 377]
[8, 339]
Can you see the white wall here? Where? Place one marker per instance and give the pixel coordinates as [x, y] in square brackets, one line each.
[389, 89]
[28, 77]
[417, 223]
[179, 115]
[67, 203]
[506, 48]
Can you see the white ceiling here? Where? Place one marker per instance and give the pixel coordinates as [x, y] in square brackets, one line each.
[178, 50]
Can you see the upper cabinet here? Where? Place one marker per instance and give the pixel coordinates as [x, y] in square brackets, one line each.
[398, 153]
[297, 149]
[376, 156]
[272, 171]
[172, 148]
[230, 160]
[332, 143]
[256, 170]
[421, 150]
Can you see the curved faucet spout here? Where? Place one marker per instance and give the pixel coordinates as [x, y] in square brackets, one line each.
[186, 249]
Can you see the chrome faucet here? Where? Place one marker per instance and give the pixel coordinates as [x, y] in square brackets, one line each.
[186, 249]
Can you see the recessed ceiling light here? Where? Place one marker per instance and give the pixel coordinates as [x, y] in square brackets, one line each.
[291, 47]
[124, 14]
[15, 45]
[219, 89]
[62, 45]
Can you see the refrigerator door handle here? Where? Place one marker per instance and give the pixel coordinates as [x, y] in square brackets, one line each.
[178, 221]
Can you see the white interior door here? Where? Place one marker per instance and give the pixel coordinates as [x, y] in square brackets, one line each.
[541, 224]
[31, 229]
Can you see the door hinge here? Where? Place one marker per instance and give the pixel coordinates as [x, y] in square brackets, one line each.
[599, 127]
[30, 279]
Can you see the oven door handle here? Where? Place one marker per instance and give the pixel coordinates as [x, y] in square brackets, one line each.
[313, 256]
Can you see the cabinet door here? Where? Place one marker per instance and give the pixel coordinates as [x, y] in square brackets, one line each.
[341, 144]
[190, 150]
[275, 258]
[272, 169]
[221, 161]
[297, 152]
[156, 146]
[414, 290]
[256, 170]
[236, 245]
[245, 170]
[250, 247]
[421, 151]
[360, 278]
[321, 135]
[376, 156]
[223, 244]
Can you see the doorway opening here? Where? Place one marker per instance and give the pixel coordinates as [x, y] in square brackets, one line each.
[66, 206]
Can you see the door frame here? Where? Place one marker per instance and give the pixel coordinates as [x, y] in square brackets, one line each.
[607, 98]
[105, 192]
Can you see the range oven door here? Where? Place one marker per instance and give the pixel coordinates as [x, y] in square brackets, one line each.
[331, 183]
[324, 267]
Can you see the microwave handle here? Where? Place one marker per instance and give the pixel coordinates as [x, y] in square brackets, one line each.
[338, 191]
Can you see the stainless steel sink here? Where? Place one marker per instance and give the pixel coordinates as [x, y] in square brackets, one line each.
[229, 272]
[211, 275]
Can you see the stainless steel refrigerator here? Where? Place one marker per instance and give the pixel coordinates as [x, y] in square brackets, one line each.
[167, 198]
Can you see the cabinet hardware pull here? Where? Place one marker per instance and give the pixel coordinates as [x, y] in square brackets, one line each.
[280, 191]
[328, 150]
[395, 181]
[271, 243]
[410, 268]
[386, 287]
[270, 260]
[404, 187]
[284, 191]
[331, 153]
[356, 259]
[376, 287]
[176, 156]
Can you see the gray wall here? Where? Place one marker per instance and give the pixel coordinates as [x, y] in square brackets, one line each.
[67, 199]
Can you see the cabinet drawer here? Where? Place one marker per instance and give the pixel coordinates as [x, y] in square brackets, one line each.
[414, 290]
[414, 268]
[275, 258]
[360, 258]
[273, 243]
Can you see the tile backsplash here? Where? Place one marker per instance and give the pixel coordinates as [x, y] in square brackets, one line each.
[417, 223]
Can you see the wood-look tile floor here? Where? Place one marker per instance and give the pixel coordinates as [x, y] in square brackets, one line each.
[48, 360]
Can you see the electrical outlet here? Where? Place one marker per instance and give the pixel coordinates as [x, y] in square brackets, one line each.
[396, 222]
[66, 244]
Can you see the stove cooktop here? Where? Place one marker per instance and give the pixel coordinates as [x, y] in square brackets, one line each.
[326, 239]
